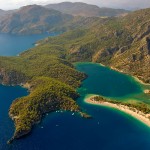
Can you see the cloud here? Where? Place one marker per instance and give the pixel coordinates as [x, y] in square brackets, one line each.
[125, 3]
[120, 3]
[11, 4]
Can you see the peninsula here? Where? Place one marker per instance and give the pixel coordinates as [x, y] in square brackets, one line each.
[119, 42]
[139, 111]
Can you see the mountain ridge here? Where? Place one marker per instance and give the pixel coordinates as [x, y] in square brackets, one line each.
[86, 10]
[122, 43]
[32, 19]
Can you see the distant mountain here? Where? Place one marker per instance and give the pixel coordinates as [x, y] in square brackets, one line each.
[35, 19]
[87, 10]
[32, 19]
[2, 12]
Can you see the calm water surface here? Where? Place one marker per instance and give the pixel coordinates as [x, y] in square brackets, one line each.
[108, 130]
[11, 45]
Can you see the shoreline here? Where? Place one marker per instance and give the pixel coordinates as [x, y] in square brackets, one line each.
[146, 91]
[136, 113]
[136, 78]
[140, 81]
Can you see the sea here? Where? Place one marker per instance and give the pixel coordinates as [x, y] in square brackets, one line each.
[108, 129]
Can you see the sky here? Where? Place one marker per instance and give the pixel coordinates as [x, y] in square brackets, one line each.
[126, 4]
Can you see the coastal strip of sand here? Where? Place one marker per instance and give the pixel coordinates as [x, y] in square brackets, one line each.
[145, 118]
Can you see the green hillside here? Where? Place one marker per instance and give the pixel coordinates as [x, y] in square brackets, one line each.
[47, 71]
[122, 43]
[46, 95]
[51, 80]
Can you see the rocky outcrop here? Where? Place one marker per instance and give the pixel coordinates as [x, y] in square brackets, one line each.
[11, 77]
[148, 45]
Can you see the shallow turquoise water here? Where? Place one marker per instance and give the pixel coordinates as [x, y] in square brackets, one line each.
[102, 80]
[109, 129]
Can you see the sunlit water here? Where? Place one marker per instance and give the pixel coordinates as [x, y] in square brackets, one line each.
[109, 129]
[11, 45]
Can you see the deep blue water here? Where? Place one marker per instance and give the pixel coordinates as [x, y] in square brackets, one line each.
[11, 45]
[7, 95]
[109, 129]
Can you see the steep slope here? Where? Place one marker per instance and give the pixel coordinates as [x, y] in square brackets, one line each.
[87, 10]
[33, 19]
[1, 12]
[122, 43]
[4, 13]
[136, 59]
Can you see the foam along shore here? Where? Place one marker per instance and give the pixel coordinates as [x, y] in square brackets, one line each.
[146, 91]
[145, 118]
[135, 78]
[140, 81]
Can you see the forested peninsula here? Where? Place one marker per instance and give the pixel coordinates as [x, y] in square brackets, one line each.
[47, 69]
[51, 80]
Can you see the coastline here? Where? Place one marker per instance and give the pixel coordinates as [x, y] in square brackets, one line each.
[136, 78]
[140, 81]
[146, 91]
[136, 114]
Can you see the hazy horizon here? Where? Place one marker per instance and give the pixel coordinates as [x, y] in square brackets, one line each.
[122, 4]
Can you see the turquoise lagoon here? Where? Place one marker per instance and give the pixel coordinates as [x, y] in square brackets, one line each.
[109, 129]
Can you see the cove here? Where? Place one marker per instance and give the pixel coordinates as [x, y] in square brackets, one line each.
[108, 129]
[12, 45]
[111, 84]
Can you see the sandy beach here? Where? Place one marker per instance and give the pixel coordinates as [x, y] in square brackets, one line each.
[147, 91]
[137, 114]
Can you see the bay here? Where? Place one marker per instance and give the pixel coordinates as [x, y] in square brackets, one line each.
[12, 45]
[109, 129]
